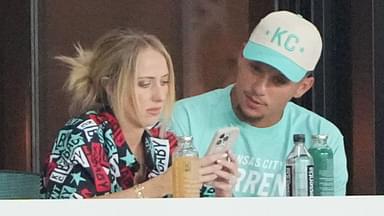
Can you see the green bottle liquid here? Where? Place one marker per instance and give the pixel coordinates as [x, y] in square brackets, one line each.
[322, 156]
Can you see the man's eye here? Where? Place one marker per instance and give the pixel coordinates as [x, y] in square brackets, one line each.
[279, 80]
[144, 83]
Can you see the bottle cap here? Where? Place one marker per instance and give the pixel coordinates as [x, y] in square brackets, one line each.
[298, 138]
[319, 138]
[185, 138]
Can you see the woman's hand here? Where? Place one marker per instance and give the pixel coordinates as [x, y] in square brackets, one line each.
[221, 172]
[215, 170]
[209, 167]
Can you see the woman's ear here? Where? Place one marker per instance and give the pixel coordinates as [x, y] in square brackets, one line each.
[106, 84]
[304, 86]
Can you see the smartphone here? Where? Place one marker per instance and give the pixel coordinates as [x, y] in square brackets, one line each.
[223, 140]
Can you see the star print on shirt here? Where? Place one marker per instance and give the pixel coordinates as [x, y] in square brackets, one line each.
[77, 178]
[76, 139]
[128, 158]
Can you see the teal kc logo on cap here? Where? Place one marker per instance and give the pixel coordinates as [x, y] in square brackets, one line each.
[288, 41]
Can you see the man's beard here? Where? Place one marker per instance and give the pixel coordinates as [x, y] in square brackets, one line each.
[240, 113]
[246, 118]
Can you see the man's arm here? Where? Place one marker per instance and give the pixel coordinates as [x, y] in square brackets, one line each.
[340, 165]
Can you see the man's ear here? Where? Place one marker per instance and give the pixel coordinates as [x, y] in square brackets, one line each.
[304, 86]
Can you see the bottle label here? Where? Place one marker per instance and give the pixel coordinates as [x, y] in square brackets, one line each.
[323, 172]
[299, 180]
[288, 177]
[325, 181]
[310, 177]
[185, 172]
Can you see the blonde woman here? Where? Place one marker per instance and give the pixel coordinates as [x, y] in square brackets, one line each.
[119, 89]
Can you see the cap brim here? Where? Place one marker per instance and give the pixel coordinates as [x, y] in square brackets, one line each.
[257, 52]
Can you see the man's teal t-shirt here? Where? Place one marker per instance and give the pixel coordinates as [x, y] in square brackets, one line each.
[261, 152]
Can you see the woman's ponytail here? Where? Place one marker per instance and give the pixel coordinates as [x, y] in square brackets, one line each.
[79, 83]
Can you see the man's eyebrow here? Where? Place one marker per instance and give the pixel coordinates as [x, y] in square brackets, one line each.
[254, 65]
[259, 65]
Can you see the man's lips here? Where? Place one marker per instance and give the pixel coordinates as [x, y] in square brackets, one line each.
[254, 102]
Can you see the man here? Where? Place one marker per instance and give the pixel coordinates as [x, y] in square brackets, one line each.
[274, 67]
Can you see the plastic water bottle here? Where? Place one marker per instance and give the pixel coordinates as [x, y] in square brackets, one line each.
[322, 156]
[299, 169]
[185, 168]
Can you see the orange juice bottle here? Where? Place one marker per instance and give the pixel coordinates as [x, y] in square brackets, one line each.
[185, 168]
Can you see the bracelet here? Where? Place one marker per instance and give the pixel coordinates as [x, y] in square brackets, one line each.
[139, 190]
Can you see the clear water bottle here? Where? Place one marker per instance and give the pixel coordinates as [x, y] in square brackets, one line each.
[322, 156]
[299, 169]
[185, 168]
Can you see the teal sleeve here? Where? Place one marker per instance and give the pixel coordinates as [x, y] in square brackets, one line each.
[340, 166]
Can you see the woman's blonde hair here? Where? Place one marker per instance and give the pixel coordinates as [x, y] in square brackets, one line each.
[113, 59]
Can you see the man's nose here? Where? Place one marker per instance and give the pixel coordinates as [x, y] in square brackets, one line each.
[259, 85]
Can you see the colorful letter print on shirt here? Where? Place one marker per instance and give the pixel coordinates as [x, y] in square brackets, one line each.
[90, 157]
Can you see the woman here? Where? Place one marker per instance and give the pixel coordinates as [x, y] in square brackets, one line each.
[119, 89]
